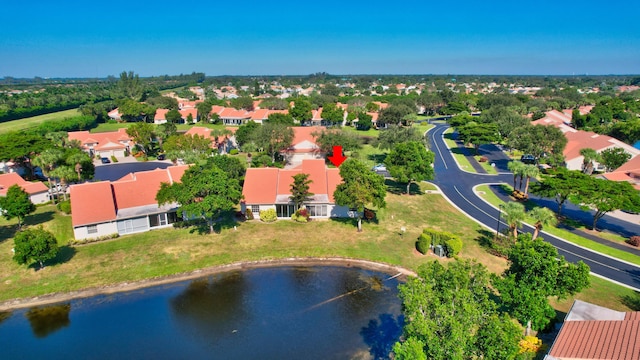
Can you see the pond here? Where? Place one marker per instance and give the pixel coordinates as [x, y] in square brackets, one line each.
[291, 312]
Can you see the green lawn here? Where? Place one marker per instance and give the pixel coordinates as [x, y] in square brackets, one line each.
[31, 122]
[369, 155]
[490, 197]
[458, 154]
[371, 132]
[173, 251]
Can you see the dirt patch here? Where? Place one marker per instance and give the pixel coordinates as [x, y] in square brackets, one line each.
[123, 287]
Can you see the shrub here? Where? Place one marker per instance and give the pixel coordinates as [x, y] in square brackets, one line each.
[95, 239]
[65, 206]
[301, 215]
[451, 242]
[113, 159]
[188, 223]
[422, 245]
[249, 214]
[233, 152]
[268, 215]
[634, 241]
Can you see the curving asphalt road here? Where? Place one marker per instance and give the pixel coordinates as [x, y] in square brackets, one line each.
[458, 187]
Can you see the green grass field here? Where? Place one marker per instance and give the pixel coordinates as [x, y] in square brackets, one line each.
[31, 122]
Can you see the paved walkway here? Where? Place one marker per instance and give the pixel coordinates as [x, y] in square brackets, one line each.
[497, 156]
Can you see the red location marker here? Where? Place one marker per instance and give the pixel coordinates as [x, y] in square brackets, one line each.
[337, 158]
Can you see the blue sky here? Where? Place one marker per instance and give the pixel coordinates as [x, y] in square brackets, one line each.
[83, 39]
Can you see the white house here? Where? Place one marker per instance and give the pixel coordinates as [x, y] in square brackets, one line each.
[125, 206]
[38, 191]
[269, 188]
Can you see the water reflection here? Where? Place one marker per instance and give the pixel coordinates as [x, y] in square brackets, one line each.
[48, 319]
[271, 313]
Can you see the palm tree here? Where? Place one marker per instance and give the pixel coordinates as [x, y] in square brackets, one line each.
[589, 156]
[529, 171]
[47, 161]
[543, 217]
[515, 167]
[76, 160]
[514, 215]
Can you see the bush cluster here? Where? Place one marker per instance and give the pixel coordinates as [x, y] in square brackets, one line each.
[95, 239]
[188, 223]
[249, 214]
[634, 241]
[64, 206]
[268, 215]
[113, 159]
[301, 215]
[233, 152]
[451, 243]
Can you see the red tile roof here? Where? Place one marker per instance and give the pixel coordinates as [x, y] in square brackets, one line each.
[92, 203]
[103, 138]
[161, 114]
[611, 339]
[263, 185]
[10, 179]
[98, 202]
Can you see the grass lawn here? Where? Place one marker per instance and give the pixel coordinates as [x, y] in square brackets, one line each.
[457, 152]
[486, 165]
[489, 196]
[34, 121]
[107, 127]
[371, 132]
[172, 251]
[369, 155]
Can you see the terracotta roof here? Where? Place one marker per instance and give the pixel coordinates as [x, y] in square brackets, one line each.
[615, 340]
[302, 134]
[92, 203]
[263, 185]
[594, 332]
[10, 179]
[101, 138]
[161, 114]
[185, 113]
[260, 185]
[100, 201]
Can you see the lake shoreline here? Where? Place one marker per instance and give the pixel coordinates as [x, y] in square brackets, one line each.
[124, 287]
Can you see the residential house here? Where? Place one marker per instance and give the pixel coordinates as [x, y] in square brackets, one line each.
[579, 139]
[105, 144]
[304, 145]
[629, 171]
[125, 206]
[38, 191]
[270, 188]
[594, 332]
[220, 142]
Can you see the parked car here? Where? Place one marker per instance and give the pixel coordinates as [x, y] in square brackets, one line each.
[105, 160]
[162, 156]
[528, 159]
[380, 167]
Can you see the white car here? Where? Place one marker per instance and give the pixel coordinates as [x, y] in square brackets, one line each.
[380, 167]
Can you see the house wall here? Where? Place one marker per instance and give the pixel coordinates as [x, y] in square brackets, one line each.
[104, 229]
[332, 211]
[39, 198]
[575, 164]
[109, 153]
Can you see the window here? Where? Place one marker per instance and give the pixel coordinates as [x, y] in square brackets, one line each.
[255, 209]
[284, 211]
[92, 229]
[156, 220]
[317, 210]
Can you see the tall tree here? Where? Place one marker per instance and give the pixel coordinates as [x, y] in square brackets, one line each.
[204, 110]
[47, 161]
[332, 113]
[514, 215]
[535, 273]
[274, 138]
[613, 158]
[410, 162]
[559, 185]
[326, 139]
[529, 171]
[450, 314]
[301, 110]
[246, 131]
[394, 115]
[479, 134]
[542, 217]
[130, 86]
[360, 187]
[280, 118]
[300, 190]
[205, 191]
[191, 148]
[173, 116]
[35, 244]
[143, 134]
[16, 204]
[603, 196]
[392, 135]
[516, 167]
[540, 141]
[589, 156]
